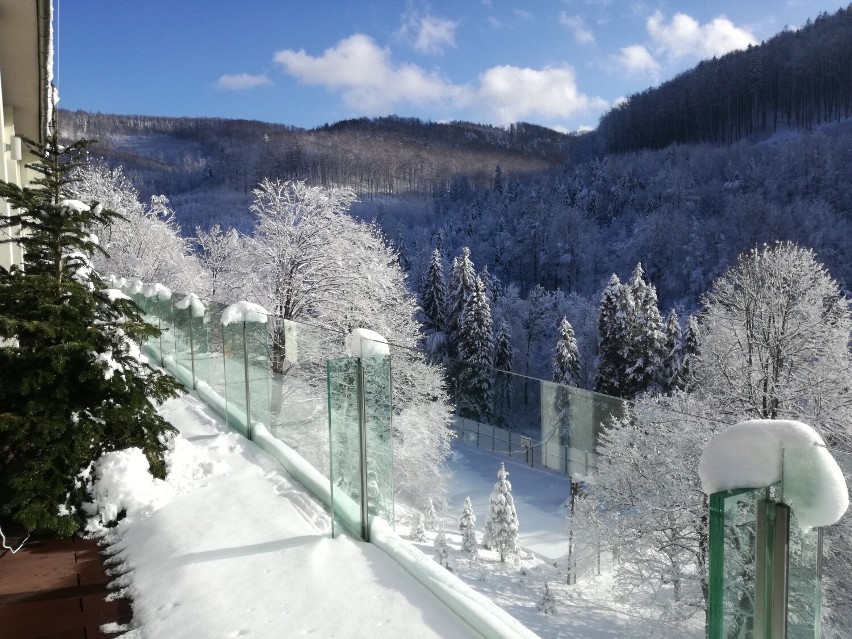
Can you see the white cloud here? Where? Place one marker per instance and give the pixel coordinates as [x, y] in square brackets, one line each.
[684, 36]
[371, 83]
[241, 82]
[366, 76]
[428, 34]
[513, 93]
[526, 16]
[577, 26]
[637, 59]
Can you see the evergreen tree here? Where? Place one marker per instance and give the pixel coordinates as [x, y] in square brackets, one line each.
[503, 378]
[467, 526]
[566, 372]
[433, 295]
[690, 355]
[547, 604]
[503, 351]
[462, 287]
[501, 529]
[442, 552]
[631, 338]
[73, 384]
[498, 179]
[476, 349]
[431, 517]
[612, 335]
[418, 528]
[566, 360]
[672, 353]
[645, 344]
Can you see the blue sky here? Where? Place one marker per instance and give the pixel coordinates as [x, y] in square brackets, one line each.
[558, 63]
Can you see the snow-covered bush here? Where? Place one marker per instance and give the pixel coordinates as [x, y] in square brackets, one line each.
[501, 529]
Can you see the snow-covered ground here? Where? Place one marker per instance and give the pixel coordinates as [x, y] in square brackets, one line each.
[590, 609]
[230, 546]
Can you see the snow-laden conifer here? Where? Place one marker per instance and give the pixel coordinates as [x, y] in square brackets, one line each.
[433, 295]
[690, 354]
[503, 355]
[566, 372]
[462, 288]
[501, 528]
[672, 353]
[73, 383]
[467, 526]
[418, 528]
[645, 343]
[476, 349]
[430, 519]
[547, 603]
[566, 360]
[442, 552]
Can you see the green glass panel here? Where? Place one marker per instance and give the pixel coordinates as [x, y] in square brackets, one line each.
[733, 563]
[215, 343]
[801, 480]
[165, 313]
[191, 342]
[344, 397]
[298, 387]
[246, 381]
[378, 420]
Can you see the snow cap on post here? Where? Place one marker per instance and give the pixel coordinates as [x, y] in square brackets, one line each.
[244, 312]
[362, 342]
[193, 303]
[756, 453]
[159, 291]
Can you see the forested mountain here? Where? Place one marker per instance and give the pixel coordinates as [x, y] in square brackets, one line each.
[378, 158]
[798, 79]
[748, 149]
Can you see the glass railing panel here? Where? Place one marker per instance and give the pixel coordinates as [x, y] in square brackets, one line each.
[236, 376]
[165, 313]
[215, 348]
[298, 386]
[191, 342]
[344, 398]
[378, 420]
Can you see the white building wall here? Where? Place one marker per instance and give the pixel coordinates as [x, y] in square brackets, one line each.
[11, 170]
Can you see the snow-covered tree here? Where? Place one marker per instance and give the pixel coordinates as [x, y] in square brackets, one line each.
[218, 251]
[631, 338]
[566, 372]
[690, 354]
[672, 353]
[476, 349]
[145, 242]
[308, 260]
[433, 304]
[547, 603]
[501, 528]
[566, 361]
[614, 309]
[644, 349]
[645, 502]
[462, 288]
[430, 520]
[418, 528]
[774, 338]
[442, 552]
[503, 354]
[73, 384]
[433, 295]
[467, 526]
